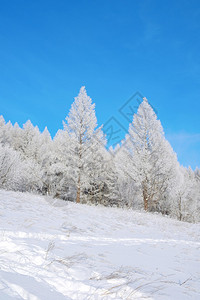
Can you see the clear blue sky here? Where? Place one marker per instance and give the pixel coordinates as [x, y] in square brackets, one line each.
[49, 49]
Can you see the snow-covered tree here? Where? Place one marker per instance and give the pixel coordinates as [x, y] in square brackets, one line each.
[84, 140]
[17, 138]
[35, 150]
[61, 168]
[44, 159]
[185, 204]
[197, 194]
[104, 188]
[5, 132]
[12, 169]
[2, 130]
[150, 159]
[111, 195]
[129, 191]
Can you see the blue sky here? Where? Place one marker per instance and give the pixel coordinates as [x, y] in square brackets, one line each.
[49, 49]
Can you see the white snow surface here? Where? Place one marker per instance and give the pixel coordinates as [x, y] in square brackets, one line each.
[53, 250]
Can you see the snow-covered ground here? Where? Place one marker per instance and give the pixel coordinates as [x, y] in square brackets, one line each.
[51, 249]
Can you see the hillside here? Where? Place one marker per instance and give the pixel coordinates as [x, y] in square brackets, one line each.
[52, 249]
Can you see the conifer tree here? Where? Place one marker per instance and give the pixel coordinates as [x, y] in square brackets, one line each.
[84, 136]
[151, 160]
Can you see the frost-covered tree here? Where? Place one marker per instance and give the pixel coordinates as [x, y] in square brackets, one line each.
[30, 138]
[111, 194]
[185, 204]
[104, 179]
[61, 168]
[5, 132]
[17, 138]
[2, 130]
[84, 137]
[44, 159]
[150, 159]
[197, 175]
[129, 191]
[197, 193]
[35, 150]
[12, 169]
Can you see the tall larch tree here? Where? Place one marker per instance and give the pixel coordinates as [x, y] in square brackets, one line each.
[82, 128]
[151, 160]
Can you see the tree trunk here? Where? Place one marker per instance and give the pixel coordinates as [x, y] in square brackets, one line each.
[145, 199]
[78, 195]
[180, 209]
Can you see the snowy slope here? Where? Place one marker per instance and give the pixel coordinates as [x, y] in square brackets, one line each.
[53, 250]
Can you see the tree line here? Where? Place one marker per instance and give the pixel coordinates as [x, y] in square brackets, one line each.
[140, 173]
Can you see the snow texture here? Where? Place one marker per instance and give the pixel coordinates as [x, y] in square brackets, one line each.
[52, 249]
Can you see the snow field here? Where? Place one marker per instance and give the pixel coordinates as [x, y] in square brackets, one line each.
[52, 249]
